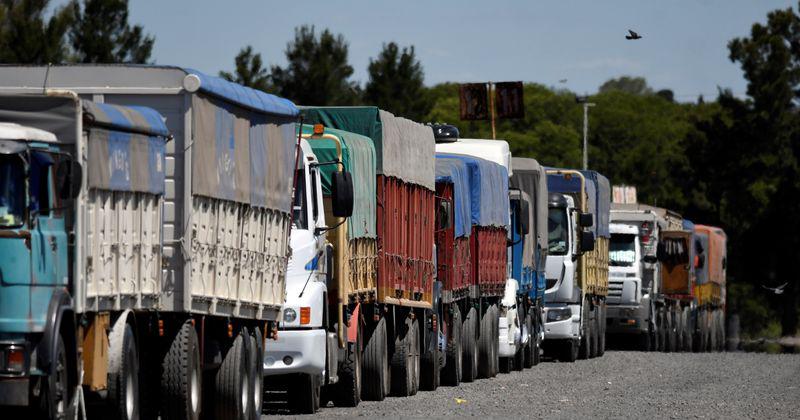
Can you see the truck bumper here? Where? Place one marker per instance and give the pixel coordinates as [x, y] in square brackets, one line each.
[305, 350]
[626, 319]
[14, 391]
[564, 329]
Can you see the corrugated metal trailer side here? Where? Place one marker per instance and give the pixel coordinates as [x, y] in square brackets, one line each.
[489, 253]
[405, 221]
[452, 255]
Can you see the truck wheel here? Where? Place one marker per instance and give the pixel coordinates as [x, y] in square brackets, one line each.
[519, 358]
[661, 332]
[644, 341]
[304, 393]
[123, 372]
[527, 352]
[601, 323]
[232, 386]
[585, 332]
[538, 327]
[347, 392]
[570, 350]
[495, 340]
[405, 360]
[181, 376]
[55, 399]
[430, 375]
[470, 347]
[485, 362]
[594, 334]
[451, 374]
[714, 332]
[687, 330]
[257, 375]
[376, 365]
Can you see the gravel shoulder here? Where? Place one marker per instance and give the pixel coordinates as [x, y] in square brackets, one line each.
[620, 384]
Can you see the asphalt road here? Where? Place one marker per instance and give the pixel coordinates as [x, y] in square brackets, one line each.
[620, 384]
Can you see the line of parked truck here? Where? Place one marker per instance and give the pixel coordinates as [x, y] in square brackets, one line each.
[172, 243]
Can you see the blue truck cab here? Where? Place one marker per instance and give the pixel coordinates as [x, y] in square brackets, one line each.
[36, 179]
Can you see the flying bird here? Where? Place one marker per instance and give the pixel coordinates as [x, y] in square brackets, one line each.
[632, 35]
[562, 81]
[777, 290]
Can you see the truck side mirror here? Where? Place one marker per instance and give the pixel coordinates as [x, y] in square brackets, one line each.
[342, 194]
[445, 217]
[586, 220]
[524, 217]
[69, 175]
[587, 241]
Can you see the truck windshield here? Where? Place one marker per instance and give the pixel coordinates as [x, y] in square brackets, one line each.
[557, 231]
[299, 214]
[12, 191]
[622, 250]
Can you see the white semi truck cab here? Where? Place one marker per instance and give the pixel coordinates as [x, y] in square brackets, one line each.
[567, 240]
[306, 351]
[629, 292]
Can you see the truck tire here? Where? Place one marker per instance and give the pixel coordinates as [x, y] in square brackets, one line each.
[569, 351]
[304, 393]
[55, 401]
[714, 332]
[661, 332]
[485, 346]
[451, 374]
[232, 382]
[671, 336]
[585, 332]
[538, 328]
[405, 360]
[527, 351]
[123, 372]
[594, 334]
[430, 368]
[687, 330]
[257, 375]
[375, 365]
[181, 377]
[495, 355]
[644, 341]
[601, 322]
[347, 392]
[470, 347]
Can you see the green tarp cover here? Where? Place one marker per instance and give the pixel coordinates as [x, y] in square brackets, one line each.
[404, 149]
[358, 157]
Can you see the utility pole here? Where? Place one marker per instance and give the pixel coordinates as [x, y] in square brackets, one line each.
[586, 104]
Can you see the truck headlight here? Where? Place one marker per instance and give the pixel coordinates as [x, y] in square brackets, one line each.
[289, 315]
[559, 314]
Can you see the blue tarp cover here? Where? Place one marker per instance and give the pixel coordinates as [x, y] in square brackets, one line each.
[127, 147]
[488, 191]
[245, 96]
[454, 171]
[598, 189]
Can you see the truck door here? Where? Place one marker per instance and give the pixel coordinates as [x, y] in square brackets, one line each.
[48, 234]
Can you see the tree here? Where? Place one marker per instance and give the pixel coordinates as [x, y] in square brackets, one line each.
[317, 72]
[101, 34]
[27, 37]
[627, 84]
[769, 155]
[396, 83]
[249, 70]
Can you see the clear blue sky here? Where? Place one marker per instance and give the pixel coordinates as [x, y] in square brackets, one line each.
[684, 45]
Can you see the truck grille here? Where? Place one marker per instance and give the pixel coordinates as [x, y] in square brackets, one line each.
[614, 291]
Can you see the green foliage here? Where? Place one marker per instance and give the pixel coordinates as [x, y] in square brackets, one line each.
[396, 83]
[27, 37]
[318, 72]
[101, 34]
[627, 84]
[249, 70]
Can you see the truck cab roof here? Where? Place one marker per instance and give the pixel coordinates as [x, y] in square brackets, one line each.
[496, 151]
[623, 228]
[12, 131]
